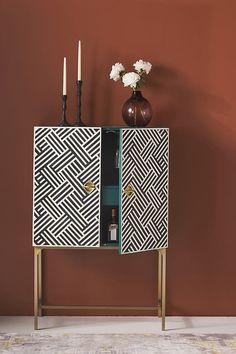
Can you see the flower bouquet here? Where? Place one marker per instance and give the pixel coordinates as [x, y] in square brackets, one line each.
[136, 111]
[132, 79]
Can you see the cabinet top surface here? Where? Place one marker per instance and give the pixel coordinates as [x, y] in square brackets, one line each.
[101, 127]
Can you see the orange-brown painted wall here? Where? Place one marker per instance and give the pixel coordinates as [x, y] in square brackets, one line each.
[191, 44]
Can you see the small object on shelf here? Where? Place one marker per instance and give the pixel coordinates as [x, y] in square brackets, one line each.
[137, 111]
[79, 122]
[64, 97]
[64, 122]
[113, 227]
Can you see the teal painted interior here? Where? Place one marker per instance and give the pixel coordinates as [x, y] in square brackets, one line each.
[110, 195]
[110, 244]
[111, 128]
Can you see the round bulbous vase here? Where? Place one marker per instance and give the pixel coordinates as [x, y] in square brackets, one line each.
[137, 111]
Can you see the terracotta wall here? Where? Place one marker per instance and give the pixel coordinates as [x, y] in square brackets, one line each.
[191, 44]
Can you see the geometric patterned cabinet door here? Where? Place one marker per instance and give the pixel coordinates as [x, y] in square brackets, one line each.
[144, 185]
[64, 213]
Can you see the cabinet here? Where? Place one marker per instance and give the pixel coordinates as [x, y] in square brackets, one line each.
[80, 173]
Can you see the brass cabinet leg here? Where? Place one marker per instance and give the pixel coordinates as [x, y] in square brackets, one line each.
[163, 289]
[159, 283]
[40, 282]
[36, 286]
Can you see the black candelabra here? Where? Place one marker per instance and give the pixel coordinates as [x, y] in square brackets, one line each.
[79, 122]
[64, 122]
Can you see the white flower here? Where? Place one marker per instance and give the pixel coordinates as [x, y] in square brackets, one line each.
[115, 71]
[141, 65]
[131, 79]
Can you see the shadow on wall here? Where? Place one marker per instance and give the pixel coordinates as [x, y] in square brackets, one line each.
[201, 147]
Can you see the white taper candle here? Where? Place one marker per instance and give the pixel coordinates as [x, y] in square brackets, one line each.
[64, 77]
[79, 61]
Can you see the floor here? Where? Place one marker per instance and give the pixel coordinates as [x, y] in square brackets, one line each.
[118, 325]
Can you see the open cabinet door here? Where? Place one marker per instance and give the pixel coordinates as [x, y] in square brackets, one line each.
[66, 205]
[144, 189]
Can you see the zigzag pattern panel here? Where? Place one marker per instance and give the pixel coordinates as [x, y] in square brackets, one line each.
[144, 215]
[65, 158]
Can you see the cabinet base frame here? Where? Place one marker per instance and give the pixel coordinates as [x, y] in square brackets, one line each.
[38, 301]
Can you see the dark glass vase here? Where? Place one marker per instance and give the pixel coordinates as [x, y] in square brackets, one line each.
[137, 111]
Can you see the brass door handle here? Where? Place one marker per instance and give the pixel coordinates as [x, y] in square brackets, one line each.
[89, 187]
[129, 190]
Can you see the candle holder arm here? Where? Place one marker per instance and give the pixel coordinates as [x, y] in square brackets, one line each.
[64, 122]
[79, 122]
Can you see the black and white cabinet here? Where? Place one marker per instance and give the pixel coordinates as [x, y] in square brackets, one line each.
[81, 173]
